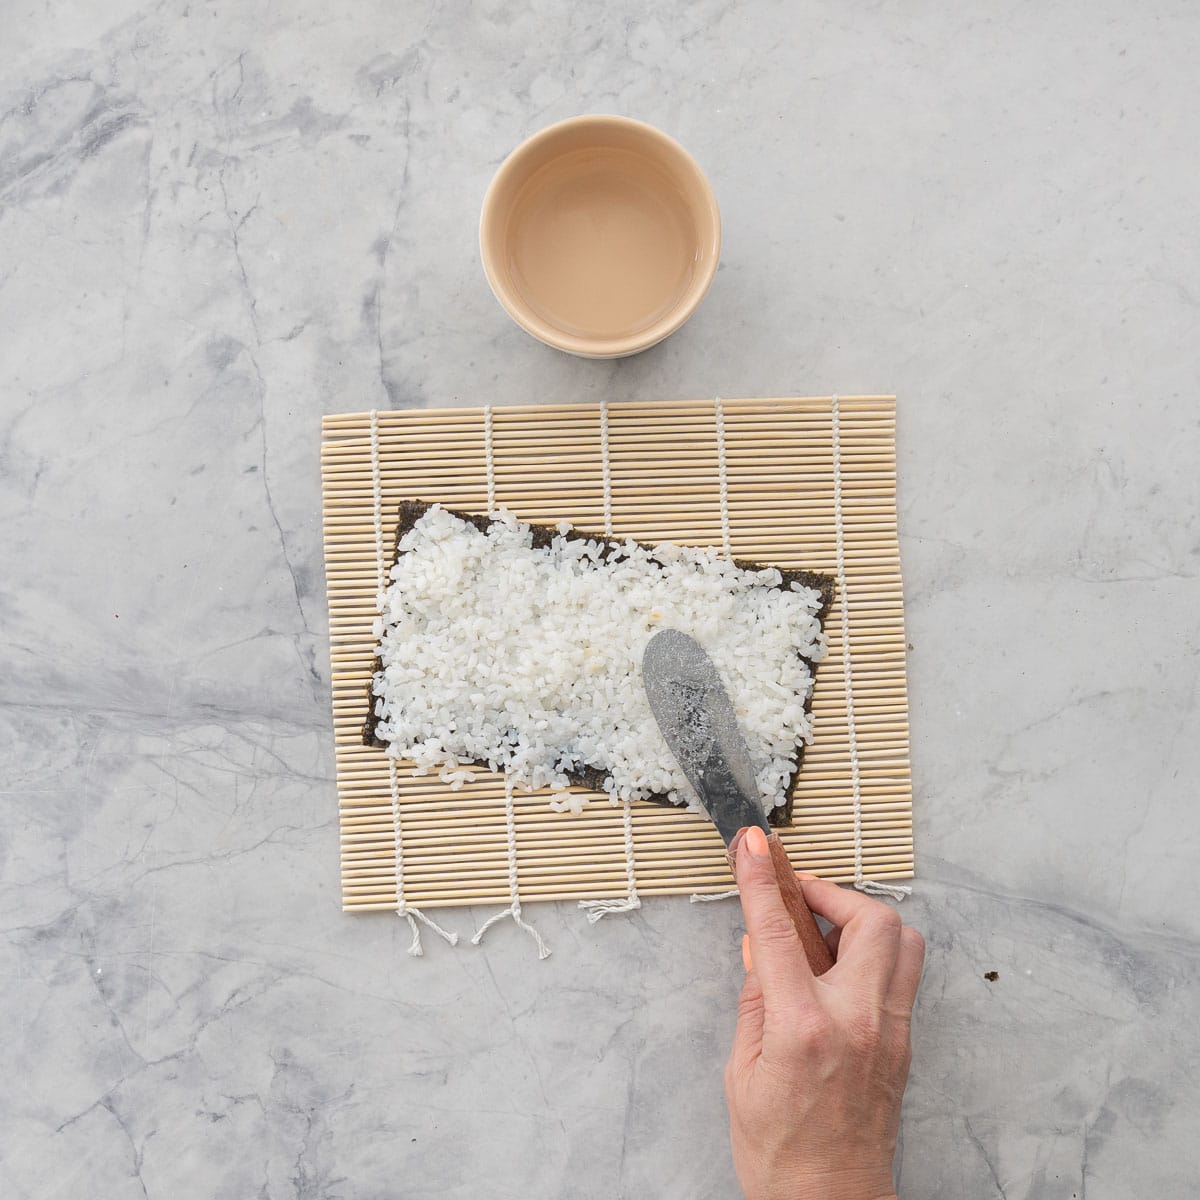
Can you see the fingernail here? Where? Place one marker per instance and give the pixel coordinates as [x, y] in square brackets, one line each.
[756, 842]
[737, 841]
[747, 961]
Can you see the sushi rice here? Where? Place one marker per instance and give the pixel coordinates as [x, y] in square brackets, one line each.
[529, 660]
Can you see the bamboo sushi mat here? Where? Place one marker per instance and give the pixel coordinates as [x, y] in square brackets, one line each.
[654, 472]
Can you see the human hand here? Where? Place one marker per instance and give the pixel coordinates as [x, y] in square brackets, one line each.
[818, 1066]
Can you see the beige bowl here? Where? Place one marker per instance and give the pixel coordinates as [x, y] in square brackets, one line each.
[600, 236]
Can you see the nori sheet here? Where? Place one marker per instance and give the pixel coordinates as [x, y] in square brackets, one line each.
[410, 513]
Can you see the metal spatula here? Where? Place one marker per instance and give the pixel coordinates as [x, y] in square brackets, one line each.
[696, 716]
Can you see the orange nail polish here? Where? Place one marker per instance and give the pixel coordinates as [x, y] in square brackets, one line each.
[756, 842]
[747, 961]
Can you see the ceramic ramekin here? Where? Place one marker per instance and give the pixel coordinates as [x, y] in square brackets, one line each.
[600, 236]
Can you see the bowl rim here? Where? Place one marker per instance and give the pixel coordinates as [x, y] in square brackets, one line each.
[552, 335]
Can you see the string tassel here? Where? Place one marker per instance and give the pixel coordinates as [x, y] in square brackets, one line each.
[514, 909]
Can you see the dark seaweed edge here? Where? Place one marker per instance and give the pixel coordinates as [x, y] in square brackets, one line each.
[411, 511]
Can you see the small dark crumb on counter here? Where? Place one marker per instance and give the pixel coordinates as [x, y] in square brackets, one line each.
[991, 976]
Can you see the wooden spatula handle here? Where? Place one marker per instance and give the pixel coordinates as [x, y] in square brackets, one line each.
[819, 957]
[815, 949]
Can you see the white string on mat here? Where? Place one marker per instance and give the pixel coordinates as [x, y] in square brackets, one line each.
[402, 909]
[596, 909]
[606, 469]
[723, 477]
[407, 910]
[727, 547]
[514, 908]
[871, 886]
[489, 454]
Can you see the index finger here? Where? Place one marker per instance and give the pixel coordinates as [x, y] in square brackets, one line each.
[779, 959]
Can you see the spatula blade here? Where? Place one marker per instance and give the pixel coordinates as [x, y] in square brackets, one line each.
[696, 717]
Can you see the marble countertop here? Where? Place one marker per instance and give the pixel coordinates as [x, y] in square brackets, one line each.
[219, 221]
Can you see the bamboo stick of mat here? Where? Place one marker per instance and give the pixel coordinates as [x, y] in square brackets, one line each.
[664, 473]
